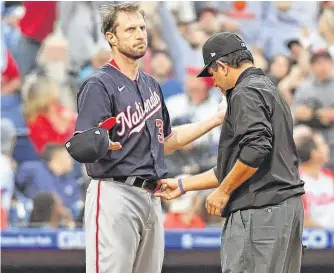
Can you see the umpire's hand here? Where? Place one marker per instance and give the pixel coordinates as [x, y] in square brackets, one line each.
[216, 202]
[169, 189]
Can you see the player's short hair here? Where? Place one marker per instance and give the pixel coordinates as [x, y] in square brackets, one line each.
[305, 147]
[109, 14]
[235, 59]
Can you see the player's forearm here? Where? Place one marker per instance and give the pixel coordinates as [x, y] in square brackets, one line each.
[203, 181]
[238, 175]
[184, 134]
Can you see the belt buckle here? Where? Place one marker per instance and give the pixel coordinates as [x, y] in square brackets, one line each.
[144, 186]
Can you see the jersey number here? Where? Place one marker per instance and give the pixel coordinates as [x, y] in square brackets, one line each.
[160, 124]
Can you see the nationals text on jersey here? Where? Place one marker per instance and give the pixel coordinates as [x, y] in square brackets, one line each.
[135, 120]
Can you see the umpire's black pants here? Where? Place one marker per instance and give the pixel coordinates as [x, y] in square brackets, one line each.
[265, 240]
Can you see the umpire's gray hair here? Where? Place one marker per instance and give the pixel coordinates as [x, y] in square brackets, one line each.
[109, 15]
[235, 59]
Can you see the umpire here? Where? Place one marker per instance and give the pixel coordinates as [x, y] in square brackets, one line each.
[258, 189]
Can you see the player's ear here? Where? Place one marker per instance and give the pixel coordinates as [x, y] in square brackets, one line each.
[111, 38]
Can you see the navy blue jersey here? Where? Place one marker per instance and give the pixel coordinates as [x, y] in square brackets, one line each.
[142, 122]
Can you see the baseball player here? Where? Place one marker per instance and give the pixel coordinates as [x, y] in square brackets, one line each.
[123, 219]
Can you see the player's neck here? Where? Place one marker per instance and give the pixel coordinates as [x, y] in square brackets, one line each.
[129, 67]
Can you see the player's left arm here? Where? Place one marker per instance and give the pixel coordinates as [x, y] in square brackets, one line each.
[252, 123]
[182, 135]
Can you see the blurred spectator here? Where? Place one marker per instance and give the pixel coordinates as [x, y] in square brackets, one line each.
[260, 61]
[197, 102]
[79, 23]
[10, 81]
[10, 27]
[300, 132]
[3, 44]
[314, 100]
[36, 25]
[49, 212]
[182, 213]
[184, 11]
[52, 174]
[99, 59]
[279, 67]
[326, 29]
[189, 159]
[183, 52]
[319, 182]
[246, 18]
[4, 222]
[8, 136]
[162, 67]
[10, 95]
[52, 62]
[285, 20]
[288, 85]
[48, 120]
[295, 48]
[207, 20]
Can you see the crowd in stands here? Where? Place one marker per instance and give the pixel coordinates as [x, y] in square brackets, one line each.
[49, 48]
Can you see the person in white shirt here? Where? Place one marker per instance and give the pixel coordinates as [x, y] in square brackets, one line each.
[319, 182]
[8, 136]
[326, 29]
[196, 103]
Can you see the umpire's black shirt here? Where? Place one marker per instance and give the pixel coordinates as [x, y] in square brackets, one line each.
[142, 122]
[258, 131]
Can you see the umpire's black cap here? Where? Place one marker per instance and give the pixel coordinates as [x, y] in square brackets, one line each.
[219, 45]
[89, 146]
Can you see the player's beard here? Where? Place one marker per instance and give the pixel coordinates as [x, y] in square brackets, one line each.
[133, 53]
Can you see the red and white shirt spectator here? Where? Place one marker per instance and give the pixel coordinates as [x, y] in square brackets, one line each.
[43, 130]
[318, 199]
[37, 23]
[11, 72]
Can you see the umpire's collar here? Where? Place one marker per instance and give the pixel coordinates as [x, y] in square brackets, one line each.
[247, 72]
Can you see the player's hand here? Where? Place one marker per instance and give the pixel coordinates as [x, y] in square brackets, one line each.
[220, 115]
[169, 189]
[114, 146]
[216, 201]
